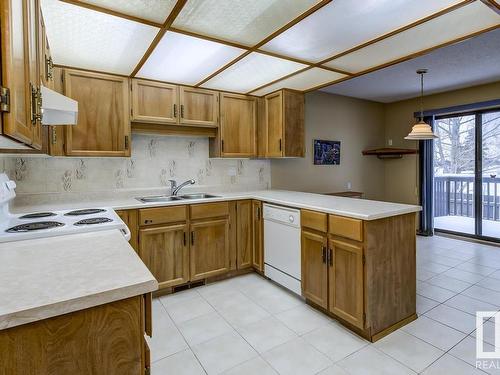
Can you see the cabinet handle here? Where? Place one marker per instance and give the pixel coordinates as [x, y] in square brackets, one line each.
[148, 221]
[330, 257]
[324, 254]
[192, 238]
[184, 237]
[280, 144]
[182, 110]
[175, 110]
[222, 145]
[258, 213]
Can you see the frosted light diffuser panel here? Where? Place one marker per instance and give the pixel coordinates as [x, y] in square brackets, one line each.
[343, 24]
[151, 10]
[86, 39]
[453, 25]
[184, 59]
[306, 80]
[251, 72]
[244, 21]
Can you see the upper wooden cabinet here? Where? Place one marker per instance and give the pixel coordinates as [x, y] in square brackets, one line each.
[103, 127]
[283, 126]
[198, 107]
[19, 53]
[238, 127]
[154, 102]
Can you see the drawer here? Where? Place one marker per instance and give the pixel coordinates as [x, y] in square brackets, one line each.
[346, 227]
[205, 210]
[162, 215]
[314, 220]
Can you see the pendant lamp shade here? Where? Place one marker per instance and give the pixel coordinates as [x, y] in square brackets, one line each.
[421, 130]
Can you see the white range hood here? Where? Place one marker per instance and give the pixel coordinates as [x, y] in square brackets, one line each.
[58, 109]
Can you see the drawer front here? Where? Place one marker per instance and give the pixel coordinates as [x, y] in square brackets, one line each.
[206, 210]
[346, 227]
[314, 220]
[162, 215]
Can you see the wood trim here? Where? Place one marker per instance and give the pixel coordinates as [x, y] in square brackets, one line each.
[405, 58]
[115, 13]
[493, 5]
[210, 38]
[267, 39]
[148, 314]
[88, 70]
[202, 131]
[393, 328]
[164, 28]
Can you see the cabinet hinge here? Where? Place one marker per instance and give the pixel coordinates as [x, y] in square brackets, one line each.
[4, 99]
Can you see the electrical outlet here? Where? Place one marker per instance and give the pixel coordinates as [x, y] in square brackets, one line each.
[349, 186]
[389, 142]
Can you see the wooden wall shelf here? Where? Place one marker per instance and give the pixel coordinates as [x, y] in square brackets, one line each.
[390, 152]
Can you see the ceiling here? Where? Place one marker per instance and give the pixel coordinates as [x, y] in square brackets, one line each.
[472, 62]
[257, 46]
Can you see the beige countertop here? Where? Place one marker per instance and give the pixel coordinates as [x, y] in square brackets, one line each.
[356, 208]
[46, 277]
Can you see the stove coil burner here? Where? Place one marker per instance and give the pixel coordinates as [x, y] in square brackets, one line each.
[39, 225]
[87, 211]
[93, 220]
[37, 215]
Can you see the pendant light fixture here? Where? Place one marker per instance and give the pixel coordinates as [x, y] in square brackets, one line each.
[421, 130]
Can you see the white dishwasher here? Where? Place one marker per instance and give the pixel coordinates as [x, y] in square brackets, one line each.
[282, 246]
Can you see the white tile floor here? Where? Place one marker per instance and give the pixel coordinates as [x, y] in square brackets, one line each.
[248, 325]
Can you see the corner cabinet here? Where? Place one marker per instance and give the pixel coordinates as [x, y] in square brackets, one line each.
[283, 127]
[20, 72]
[103, 126]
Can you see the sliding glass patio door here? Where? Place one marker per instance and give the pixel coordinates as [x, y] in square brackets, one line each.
[467, 174]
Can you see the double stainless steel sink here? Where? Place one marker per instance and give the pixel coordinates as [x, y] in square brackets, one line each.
[171, 198]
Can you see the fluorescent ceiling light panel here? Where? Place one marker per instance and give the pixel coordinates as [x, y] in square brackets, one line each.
[242, 21]
[306, 80]
[459, 23]
[151, 10]
[251, 72]
[87, 39]
[184, 59]
[343, 24]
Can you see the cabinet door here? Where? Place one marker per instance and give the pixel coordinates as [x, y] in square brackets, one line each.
[14, 37]
[238, 125]
[274, 124]
[103, 126]
[154, 102]
[346, 281]
[199, 107]
[45, 67]
[258, 245]
[315, 268]
[209, 255]
[244, 238]
[165, 252]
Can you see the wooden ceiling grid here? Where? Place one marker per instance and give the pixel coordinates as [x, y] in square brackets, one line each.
[167, 26]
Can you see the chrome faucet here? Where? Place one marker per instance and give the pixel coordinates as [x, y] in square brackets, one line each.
[174, 188]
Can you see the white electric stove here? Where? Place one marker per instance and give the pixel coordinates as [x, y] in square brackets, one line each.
[16, 227]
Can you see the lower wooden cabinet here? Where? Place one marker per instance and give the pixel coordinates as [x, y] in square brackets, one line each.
[258, 236]
[164, 250]
[244, 238]
[129, 217]
[315, 267]
[345, 275]
[209, 250]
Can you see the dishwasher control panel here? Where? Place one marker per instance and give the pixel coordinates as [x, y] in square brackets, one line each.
[281, 214]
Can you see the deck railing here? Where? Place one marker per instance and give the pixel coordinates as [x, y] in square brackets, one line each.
[454, 195]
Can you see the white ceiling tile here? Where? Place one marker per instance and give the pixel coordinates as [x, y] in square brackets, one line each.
[152, 10]
[306, 80]
[92, 40]
[251, 72]
[243, 21]
[461, 22]
[343, 24]
[184, 59]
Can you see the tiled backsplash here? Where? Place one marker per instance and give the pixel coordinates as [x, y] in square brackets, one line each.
[155, 160]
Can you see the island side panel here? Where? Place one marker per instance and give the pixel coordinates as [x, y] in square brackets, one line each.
[106, 339]
[390, 251]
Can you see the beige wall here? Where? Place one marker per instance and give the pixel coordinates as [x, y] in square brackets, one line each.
[400, 175]
[358, 124]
